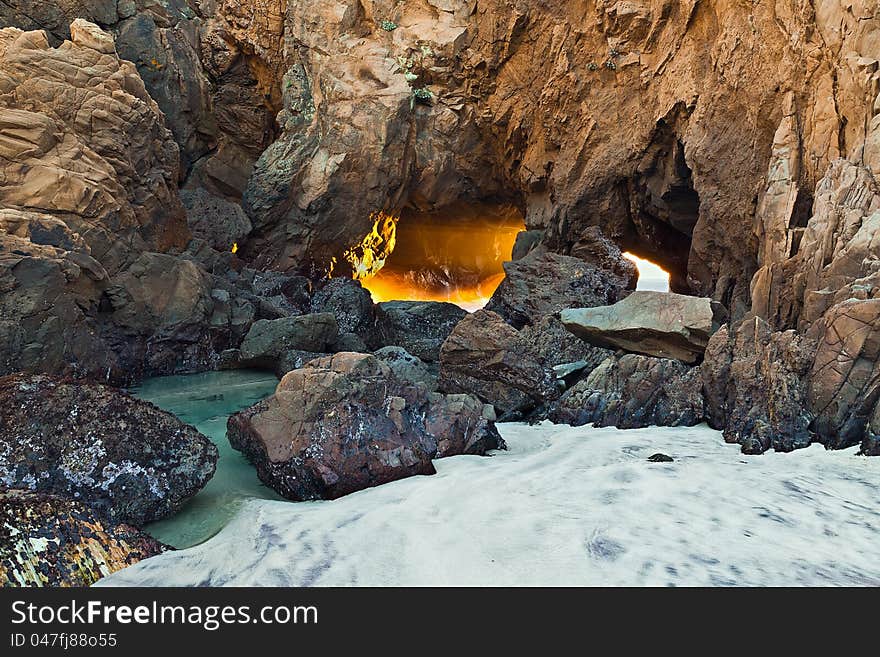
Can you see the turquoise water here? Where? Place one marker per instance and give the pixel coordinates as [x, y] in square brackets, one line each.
[206, 401]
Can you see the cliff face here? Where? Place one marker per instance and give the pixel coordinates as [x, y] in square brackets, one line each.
[656, 120]
[735, 144]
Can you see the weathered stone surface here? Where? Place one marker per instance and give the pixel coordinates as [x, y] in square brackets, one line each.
[419, 327]
[219, 222]
[113, 181]
[633, 391]
[483, 356]
[544, 283]
[269, 339]
[844, 381]
[47, 540]
[124, 458]
[755, 383]
[650, 323]
[345, 423]
[351, 305]
[407, 367]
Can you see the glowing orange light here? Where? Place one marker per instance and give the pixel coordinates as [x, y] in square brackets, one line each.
[235, 247]
[651, 276]
[455, 255]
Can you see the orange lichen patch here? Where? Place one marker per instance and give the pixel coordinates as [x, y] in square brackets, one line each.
[455, 255]
[235, 247]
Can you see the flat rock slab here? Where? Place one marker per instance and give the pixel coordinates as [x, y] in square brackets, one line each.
[657, 324]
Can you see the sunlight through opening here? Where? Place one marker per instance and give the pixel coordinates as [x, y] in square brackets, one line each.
[651, 276]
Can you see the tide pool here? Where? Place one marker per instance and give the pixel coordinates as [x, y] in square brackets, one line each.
[206, 401]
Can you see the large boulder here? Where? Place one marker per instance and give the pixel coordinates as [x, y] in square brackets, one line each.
[755, 383]
[268, 340]
[633, 391]
[543, 283]
[352, 306]
[485, 357]
[123, 457]
[420, 327]
[844, 380]
[46, 540]
[219, 222]
[344, 423]
[650, 323]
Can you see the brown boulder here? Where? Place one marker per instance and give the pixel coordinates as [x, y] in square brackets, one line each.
[344, 423]
[544, 283]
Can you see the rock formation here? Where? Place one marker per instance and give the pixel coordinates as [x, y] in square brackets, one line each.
[47, 540]
[346, 422]
[650, 323]
[631, 391]
[124, 458]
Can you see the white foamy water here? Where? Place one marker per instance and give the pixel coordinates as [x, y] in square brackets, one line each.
[565, 506]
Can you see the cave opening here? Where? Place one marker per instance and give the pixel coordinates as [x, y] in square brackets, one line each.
[652, 277]
[664, 209]
[455, 254]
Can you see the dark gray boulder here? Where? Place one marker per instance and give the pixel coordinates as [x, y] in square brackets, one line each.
[267, 339]
[420, 327]
[123, 457]
[632, 391]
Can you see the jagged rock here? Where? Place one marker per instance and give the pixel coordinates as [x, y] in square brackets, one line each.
[219, 222]
[755, 383]
[125, 458]
[345, 423]
[269, 339]
[633, 391]
[844, 381]
[553, 345]
[419, 327]
[544, 283]
[650, 323]
[351, 305]
[483, 356]
[660, 458]
[47, 540]
[113, 181]
[526, 242]
[407, 367]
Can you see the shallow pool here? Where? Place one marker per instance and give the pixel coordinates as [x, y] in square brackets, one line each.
[206, 401]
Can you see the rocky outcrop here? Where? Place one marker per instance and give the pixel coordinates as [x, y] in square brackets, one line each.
[419, 327]
[346, 422]
[755, 382]
[544, 283]
[631, 392]
[124, 458]
[268, 340]
[112, 181]
[47, 540]
[650, 323]
[484, 356]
